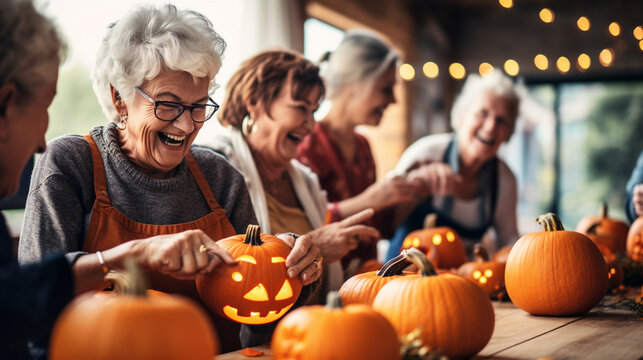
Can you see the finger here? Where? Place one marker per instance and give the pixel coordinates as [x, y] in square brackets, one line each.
[311, 273]
[361, 231]
[357, 218]
[213, 249]
[301, 248]
[286, 238]
[200, 250]
[213, 263]
[188, 262]
[303, 263]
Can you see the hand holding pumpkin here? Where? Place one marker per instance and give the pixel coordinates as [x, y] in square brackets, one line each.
[336, 239]
[179, 255]
[304, 259]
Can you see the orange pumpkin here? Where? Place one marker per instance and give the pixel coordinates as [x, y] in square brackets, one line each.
[442, 245]
[334, 332]
[362, 288]
[555, 272]
[369, 265]
[605, 243]
[489, 275]
[611, 227]
[502, 254]
[257, 290]
[635, 240]
[455, 315]
[128, 324]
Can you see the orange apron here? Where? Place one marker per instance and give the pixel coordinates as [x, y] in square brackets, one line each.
[109, 227]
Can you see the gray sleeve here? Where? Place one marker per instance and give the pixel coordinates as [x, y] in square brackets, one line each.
[228, 187]
[60, 196]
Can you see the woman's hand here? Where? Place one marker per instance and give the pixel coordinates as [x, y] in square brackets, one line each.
[335, 240]
[637, 199]
[304, 259]
[183, 256]
[434, 179]
[388, 192]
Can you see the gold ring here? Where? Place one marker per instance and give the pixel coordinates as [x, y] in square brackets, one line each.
[202, 248]
[316, 262]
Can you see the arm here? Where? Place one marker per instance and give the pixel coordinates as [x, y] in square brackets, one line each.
[505, 218]
[634, 191]
[380, 195]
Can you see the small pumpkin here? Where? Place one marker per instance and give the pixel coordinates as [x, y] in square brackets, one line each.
[442, 245]
[128, 324]
[555, 272]
[605, 243]
[489, 275]
[369, 265]
[607, 226]
[257, 290]
[455, 315]
[362, 288]
[501, 255]
[635, 240]
[334, 332]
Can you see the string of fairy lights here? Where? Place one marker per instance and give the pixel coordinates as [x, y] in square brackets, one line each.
[563, 64]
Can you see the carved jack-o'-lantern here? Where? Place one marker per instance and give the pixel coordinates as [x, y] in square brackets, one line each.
[441, 245]
[489, 275]
[635, 240]
[257, 290]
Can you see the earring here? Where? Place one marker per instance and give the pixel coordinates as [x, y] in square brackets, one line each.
[122, 124]
[247, 125]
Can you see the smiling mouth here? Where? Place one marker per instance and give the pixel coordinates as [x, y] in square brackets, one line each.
[172, 140]
[484, 140]
[296, 137]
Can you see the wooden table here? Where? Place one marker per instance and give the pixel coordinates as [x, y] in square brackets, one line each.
[603, 333]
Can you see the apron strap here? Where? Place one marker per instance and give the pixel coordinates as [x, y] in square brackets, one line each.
[100, 180]
[201, 182]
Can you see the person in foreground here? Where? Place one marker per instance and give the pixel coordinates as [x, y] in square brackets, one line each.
[359, 78]
[136, 186]
[268, 111]
[460, 175]
[634, 191]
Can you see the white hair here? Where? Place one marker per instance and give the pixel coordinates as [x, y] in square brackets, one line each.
[360, 58]
[31, 48]
[476, 85]
[147, 40]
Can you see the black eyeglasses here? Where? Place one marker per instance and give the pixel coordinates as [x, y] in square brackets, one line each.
[171, 110]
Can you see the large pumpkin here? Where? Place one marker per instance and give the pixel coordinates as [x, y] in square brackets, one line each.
[442, 245]
[362, 288]
[555, 272]
[455, 315]
[635, 240]
[334, 332]
[257, 290]
[489, 275]
[606, 227]
[128, 324]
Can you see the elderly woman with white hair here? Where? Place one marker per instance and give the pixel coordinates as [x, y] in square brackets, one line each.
[137, 186]
[359, 77]
[461, 178]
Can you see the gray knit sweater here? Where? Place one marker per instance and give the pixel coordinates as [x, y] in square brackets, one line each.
[61, 195]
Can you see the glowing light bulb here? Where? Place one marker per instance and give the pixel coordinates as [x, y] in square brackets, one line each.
[511, 67]
[583, 62]
[614, 29]
[541, 62]
[583, 23]
[508, 4]
[638, 32]
[457, 71]
[606, 57]
[485, 69]
[430, 70]
[563, 65]
[546, 15]
[407, 72]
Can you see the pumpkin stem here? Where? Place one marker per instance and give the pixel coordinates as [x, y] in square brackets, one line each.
[128, 282]
[253, 235]
[550, 222]
[333, 300]
[420, 260]
[430, 221]
[603, 210]
[394, 266]
[480, 253]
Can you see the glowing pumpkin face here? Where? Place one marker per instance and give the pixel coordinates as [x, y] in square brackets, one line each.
[489, 275]
[442, 245]
[257, 290]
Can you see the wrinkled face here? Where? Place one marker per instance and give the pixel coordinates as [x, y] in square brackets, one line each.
[158, 146]
[486, 125]
[266, 296]
[22, 129]
[368, 107]
[277, 136]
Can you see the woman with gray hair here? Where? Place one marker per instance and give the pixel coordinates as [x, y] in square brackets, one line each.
[136, 186]
[359, 78]
[459, 176]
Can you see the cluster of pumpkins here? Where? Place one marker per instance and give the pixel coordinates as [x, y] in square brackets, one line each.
[553, 272]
